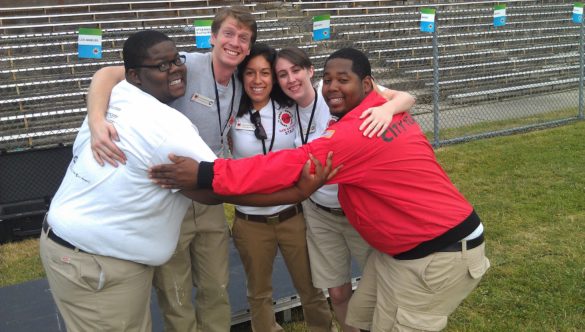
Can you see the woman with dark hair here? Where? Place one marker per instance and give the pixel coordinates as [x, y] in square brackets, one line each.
[266, 122]
[331, 240]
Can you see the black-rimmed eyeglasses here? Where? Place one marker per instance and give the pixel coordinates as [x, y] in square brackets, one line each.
[259, 131]
[166, 66]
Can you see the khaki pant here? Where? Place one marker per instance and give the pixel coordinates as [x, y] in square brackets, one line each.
[257, 244]
[414, 295]
[97, 293]
[332, 242]
[201, 260]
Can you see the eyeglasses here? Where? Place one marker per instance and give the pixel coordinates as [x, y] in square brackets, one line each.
[166, 66]
[259, 131]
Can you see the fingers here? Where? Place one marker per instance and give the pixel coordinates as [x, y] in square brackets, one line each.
[113, 133]
[307, 169]
[329, 161]
[105, 150]
[315, 161]
[164, 176]
[382, 129]
[366, 113]
[161, 170]
[102, 154]
[334, 172]
[97, 158]
[112, 149]
[373, 129]
[367, 121]
[177, 159]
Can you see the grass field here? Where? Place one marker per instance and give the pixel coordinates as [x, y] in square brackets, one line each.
[529, 190]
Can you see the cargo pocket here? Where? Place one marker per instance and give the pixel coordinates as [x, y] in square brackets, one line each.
[420, 320]
[478, 269]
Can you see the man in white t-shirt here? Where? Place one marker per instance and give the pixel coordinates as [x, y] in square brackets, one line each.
[108, 227]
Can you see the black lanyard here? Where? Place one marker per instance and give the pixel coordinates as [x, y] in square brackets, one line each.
[306, 138]
[227, 121]
[273, 127]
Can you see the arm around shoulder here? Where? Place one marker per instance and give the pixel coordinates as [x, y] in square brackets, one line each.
[377, 119]
[103, 133]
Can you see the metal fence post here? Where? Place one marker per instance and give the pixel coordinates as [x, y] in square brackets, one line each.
[435, 85]
[581, 64]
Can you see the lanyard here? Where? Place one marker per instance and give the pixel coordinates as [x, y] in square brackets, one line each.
[227, 121]
[273, 128]
[306, 138]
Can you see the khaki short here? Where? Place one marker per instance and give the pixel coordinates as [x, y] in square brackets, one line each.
[418, 294]
[332, 242]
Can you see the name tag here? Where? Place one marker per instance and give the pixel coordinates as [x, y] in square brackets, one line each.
[244, 126]
[201, 99]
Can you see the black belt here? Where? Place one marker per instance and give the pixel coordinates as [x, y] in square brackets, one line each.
[458, 246]
[51, 235]
[273, 218]
[334, 211]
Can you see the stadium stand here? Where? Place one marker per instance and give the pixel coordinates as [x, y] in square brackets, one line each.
[41, 73]
[43, 83]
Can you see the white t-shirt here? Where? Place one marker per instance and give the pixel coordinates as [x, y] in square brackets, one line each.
[322, 119]
[245, 143]
[118, 211]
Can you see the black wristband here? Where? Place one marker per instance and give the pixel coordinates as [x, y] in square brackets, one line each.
[205, 175]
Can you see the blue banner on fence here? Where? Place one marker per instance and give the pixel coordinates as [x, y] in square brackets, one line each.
[89, 43]
[427, 20]
[322, 27]
[203, 33]
[578, 12]
[499, 15]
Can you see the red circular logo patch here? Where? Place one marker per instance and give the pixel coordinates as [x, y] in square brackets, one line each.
[285, 118]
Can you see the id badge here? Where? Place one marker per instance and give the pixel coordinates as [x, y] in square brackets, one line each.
[201, 99]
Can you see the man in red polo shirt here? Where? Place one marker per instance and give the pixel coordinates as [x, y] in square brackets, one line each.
[429, 241]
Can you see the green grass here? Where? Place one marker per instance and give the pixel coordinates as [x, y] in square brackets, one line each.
[529, 190]
[507, 124]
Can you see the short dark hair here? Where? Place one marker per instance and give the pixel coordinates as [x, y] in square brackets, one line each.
[268, 53]
[240, 14]
[360, 63]
[136, 47]
[296, 56]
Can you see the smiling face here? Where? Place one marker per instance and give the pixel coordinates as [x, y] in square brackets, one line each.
[295, 81]
[257, 80]
[164, 86]
[231, 43]
[343, 89]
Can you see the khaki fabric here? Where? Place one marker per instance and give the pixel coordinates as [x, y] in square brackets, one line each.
[97, 293]
[332, 243]
[201, 260]
[257, 244]
[414, 295]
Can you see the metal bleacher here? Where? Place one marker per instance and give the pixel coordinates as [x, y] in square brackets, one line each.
[43, 80]
[43, 83]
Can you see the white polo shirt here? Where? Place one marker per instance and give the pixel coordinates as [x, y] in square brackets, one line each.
[118, 211]
[280, 122]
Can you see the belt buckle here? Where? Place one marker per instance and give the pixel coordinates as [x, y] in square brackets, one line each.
[273, 220]
[337, 212]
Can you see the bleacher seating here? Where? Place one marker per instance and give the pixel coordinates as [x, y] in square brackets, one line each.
[43, 83]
